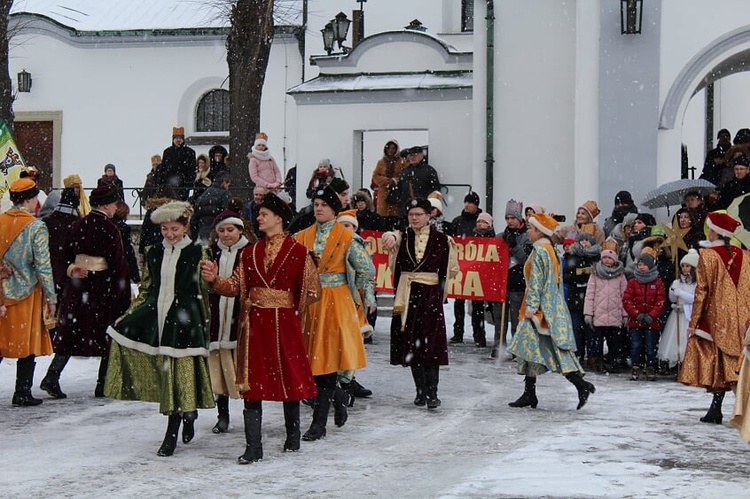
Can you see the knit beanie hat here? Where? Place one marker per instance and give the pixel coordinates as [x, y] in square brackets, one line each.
[486, 217]
[609, 248]
[647, 218]
[691, 258]
[538, 208]
[591, 208]
[435, 202]
[349, 216]
[110, 166]
[514, 208]
[260, 138]
[648, 257]
[472, 197]
[585, 236]
[623, 197]
[228, 217]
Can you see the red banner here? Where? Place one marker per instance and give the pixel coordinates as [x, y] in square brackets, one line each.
[483, 264]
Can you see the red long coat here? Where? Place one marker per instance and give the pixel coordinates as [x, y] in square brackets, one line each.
[272, 361]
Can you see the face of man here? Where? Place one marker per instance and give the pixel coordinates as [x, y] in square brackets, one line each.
[415, 158]
[725, 139]
[258, 194]
[268, 221]
[218, 157]
[512, 222]
[109, 209]
[178, 140]
[418, 218]
[693, 202]
[323, 212]
[344, 197]
[470, 207]
[740, 171]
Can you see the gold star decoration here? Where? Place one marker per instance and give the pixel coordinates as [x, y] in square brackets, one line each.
[675, 239]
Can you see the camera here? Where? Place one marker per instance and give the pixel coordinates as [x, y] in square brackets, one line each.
[559, 218]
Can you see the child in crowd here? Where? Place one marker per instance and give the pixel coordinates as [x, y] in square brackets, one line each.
[483, 228]
[644, 302]
[603, 311]
[681, 294]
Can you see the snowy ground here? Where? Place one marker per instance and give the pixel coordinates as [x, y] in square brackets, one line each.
[633, 439]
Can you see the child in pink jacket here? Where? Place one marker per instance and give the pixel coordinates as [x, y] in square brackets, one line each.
[602, 308]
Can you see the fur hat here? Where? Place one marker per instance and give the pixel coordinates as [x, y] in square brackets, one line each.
[349, 216]
[691, 258]
[178, 131]
[543, 222]
[514, 208]
[472, 197]
[104, 194]
[435, 202]
[22, 190]
[260, 138]
[329, 196]
[72, 180]
[722, 224]
[647, 218]
[274, 203]
[591, 208]
[228, 217]
[339, 185]
[485, 217]
[648, 256]
[172, 212]
[585, 236]
[419, 203]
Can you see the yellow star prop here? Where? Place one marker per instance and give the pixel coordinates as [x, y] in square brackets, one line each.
[675, 239]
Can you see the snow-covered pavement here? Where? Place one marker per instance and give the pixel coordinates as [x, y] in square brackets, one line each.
[633, 439]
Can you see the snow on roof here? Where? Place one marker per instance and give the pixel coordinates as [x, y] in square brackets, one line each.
[118, 15]
[371, 82]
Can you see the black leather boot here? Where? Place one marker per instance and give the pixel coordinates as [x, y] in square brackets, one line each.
[253, 414]
[340, 401]
[528, 398]
[714, 414]
[24, 381]
[170, 438]
[321, 407]
[431, 379]
[51, 382]
[584, 387]
[101, 376]
[188, 426]
[417, 373]
[222, 404]
[291, 422]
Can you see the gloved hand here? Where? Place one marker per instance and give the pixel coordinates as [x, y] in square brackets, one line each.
[648, 319]
[641, 318]
[589, 320]
[511, 238]
[625, 321]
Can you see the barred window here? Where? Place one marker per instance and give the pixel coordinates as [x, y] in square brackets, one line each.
[467, 15]
[213, 112]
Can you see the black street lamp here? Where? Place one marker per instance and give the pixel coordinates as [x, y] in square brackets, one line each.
[340, 29]
[24, 81]
[631, 16]
[327, 32]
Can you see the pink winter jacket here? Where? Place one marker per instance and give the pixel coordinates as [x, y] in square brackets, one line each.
[604, 300]
[264, 172]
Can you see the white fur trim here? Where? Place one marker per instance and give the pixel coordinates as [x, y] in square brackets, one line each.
[231, 220]
[160, 350]
[171, 211]
[366, 331]
[717, 229]
[544, 230]
[348, 218]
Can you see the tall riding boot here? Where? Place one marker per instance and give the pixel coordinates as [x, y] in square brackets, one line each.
[188, 426]
[431, 379]
[528, 398]
[321, 407]
[24, 381]
[291, 422]
[584, 387]
[253, 447]
[101, 376]
[417, 373]
[51, 382]
[170, 438]
[222, 425]
[340, 401]
[714, 414]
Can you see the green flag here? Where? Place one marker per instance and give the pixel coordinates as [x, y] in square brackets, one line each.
[11, 161]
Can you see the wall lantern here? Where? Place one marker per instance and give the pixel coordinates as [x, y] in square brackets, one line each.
[631, 16]
[328, 38]
[336, 31]
[24, 81]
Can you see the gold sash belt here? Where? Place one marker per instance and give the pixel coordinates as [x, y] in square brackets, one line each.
[92, 263]
[401, 301]
[271, 298]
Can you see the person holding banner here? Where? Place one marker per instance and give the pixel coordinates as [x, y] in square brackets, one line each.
[544, 339]
[419, 261]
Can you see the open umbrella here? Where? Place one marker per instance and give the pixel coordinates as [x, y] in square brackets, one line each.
[740, 210]
[672, 193]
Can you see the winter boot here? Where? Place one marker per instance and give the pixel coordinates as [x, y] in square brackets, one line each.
[355, 389]
[321, 407]
[222, 425]
[51, 382]
[584, 388]
[291, 422]
[528, 398]
[650, 374]
[101, 376]
[188, 427]
[253, 447]
[432, 378]
[417, 373]
[714, 414]
[457, 337]
[340, 401]
[635, 372]
[24, 380]
[170, 438]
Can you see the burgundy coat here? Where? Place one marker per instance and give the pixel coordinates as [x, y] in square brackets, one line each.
[423, 340]
[646, 298]
[89, 305]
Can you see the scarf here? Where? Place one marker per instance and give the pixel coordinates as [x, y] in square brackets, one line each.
[646, 277]
[609, 272]
[592, 252]
[437, 222]
[66, 208]
[261, 155]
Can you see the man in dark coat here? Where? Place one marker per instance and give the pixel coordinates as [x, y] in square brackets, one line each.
[178, 165]
[96, 292]
[418, 179]
[739, 185]
[210, 204]
[217, 156]
[715, 162]
[463, 226]
[58, 225]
